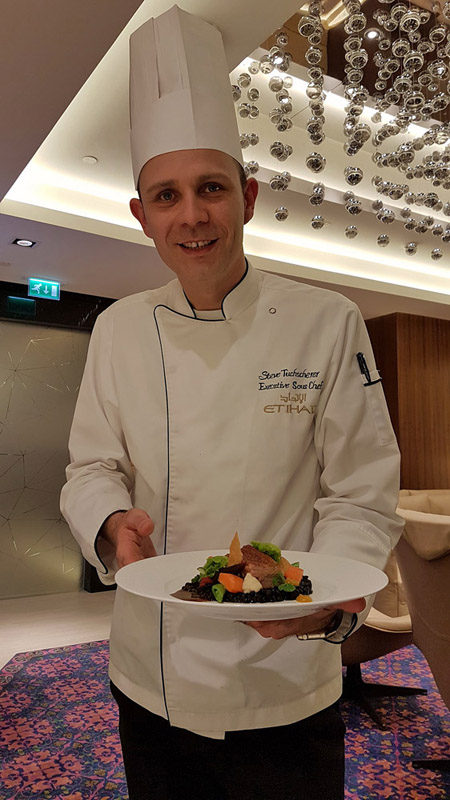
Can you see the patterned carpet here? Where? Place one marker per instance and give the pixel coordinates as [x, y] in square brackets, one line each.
[59, 740]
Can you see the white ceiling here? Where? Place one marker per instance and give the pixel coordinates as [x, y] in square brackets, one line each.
[65, 88]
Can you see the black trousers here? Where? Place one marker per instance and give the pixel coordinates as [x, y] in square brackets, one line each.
[302, 761]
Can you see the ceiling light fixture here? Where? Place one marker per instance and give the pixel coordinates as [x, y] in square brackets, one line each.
[372, 33]
[24, 242]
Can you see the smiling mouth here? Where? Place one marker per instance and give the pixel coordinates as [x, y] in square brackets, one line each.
[200, 245]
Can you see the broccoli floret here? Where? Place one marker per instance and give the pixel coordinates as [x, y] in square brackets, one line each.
[269, 549]
[212, 565]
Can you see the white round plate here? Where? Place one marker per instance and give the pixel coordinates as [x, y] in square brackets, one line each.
[334, 580]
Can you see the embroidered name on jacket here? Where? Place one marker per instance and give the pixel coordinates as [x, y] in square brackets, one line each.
[300, 387]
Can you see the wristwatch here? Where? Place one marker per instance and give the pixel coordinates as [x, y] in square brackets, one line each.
[339, 629]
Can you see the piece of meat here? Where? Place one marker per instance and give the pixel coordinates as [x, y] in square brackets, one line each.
[259, 565]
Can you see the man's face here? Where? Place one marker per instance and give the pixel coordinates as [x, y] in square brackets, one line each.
[194, 208]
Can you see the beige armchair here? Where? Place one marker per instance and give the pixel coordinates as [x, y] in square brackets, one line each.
[414, 607]
[423, 554]
[387, 628]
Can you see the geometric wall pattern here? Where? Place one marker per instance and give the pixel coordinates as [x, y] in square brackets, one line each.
[40, 374]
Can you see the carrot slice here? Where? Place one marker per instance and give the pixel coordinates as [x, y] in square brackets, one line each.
[293, 575]
[232, 583]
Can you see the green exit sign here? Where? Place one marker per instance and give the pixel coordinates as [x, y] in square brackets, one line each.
[47, 290]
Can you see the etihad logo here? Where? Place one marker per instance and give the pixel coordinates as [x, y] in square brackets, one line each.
[288, 408]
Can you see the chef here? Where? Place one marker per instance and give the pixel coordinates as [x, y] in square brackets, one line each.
[230, 399]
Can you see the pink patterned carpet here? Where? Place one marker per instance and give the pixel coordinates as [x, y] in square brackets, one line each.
[59, 740]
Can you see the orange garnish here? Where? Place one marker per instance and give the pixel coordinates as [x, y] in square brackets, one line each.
[293, 575]
[232, 583]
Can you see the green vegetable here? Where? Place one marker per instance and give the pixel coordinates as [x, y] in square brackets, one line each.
[295, 564]
[287, 587]
[212, 565]
[269, 549]
[277, 579]
[218, 591]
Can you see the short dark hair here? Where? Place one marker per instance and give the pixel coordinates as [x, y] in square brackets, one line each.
[242, 175]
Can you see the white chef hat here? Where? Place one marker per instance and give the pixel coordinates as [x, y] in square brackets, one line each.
[180, 94]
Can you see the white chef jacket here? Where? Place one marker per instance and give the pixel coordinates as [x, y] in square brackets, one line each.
[258, 420]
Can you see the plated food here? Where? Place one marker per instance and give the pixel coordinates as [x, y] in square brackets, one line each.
[254, 573]
[334, 579]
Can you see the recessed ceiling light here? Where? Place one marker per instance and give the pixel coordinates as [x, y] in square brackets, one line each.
[24, 242]
[372, 33]
[90, 160]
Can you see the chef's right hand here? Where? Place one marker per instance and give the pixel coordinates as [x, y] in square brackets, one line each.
[128, 532]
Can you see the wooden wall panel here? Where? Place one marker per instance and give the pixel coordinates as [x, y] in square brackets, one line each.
[413, 355]
[423, 347]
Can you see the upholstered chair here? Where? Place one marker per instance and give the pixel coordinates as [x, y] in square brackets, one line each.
[386, 628]
[423, 555]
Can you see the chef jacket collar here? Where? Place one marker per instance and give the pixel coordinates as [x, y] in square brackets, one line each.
[237, 300]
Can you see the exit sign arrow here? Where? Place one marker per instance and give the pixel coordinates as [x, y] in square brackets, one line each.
[48, 290]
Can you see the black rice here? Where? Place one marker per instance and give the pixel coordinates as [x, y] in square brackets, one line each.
[272, 595]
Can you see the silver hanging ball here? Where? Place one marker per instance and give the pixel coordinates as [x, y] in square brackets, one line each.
[278, 183]
[411, 248]
[317, 222]
[276, 149]
[383, 240]
[281, 213]
[353, 175]
[236, 92]
[275, 84]
[351, 231]
[253, 94]
[251, 168]
[353, 206]
[410, 223]
[244, 110]
[282, 39]
[316, 162]
[244, 80]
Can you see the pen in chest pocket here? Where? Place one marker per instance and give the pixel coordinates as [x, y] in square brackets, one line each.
[362, 363]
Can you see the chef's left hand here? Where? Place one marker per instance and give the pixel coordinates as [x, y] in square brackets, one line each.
[319, 621]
